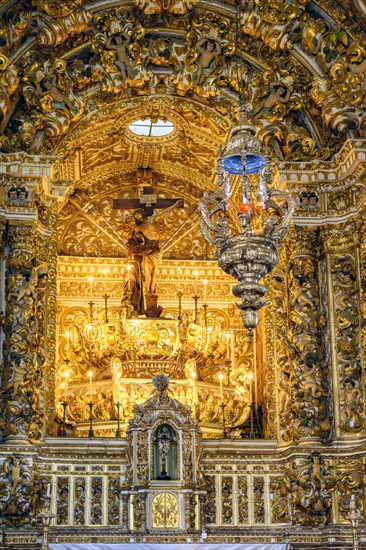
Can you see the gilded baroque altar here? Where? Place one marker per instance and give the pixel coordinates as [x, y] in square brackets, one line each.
[134, 406]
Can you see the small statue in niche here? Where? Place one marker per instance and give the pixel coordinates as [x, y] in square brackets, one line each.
[119, 44]
[208, 50]
[165, 441]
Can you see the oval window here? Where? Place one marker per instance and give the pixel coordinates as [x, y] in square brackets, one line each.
[148, 128]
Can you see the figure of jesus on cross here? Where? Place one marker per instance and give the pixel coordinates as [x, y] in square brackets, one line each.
[144, 247]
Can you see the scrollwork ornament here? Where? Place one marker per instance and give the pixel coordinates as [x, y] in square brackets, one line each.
[309, 486]
[17, 492]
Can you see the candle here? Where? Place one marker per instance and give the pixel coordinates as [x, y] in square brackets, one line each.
[204, 290]
[91, 285]
[250, 377]
[66, 377]
[48, 491]
[221, 389]
[68, 344]
[227, 336]
[194, 388]
[179, 279]
[90, 374]
[128, 269]
[196, 273]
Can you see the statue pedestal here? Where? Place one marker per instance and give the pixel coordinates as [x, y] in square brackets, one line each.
[152, 311]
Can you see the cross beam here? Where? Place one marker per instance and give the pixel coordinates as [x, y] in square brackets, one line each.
[147, 201]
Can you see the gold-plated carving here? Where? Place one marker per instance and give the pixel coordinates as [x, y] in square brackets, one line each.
[73, 76]
[165, 511]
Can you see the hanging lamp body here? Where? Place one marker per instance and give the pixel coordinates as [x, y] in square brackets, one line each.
[249, 255]
[243, 139]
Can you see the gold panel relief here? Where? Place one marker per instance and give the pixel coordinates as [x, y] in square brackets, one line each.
[165, 511]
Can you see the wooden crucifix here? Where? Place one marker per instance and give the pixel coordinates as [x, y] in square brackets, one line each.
[144, 245]
[147, 200]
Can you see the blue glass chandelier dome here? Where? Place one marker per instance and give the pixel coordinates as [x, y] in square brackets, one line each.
[234, 165]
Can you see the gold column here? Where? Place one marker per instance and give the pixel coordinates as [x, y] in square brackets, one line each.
[29, 325]
[309, 392]
[21, 376]
[343, 278]
[46, 257]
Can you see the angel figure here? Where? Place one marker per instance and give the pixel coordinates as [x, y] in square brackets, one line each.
[309, 381]
[14, 471]
[284, 386]
[278, 93]
[352, 401]
[19, 375]
[119, 44]
[59, 100]
[208, 51]
[300, 298]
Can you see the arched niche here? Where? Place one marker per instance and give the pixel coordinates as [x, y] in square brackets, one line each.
[165, 456]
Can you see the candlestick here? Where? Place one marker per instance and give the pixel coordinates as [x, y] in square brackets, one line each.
[46, 518]
[91, 303]
[224, 433]
[90, 374]
[205, 306]
[91, 285]
[128, 269]
[106, 307]
[195, 298]
[227, 337]
[221, 376]
[91, 432]
[179, 271]
[180, 294]
[118, 431]
[65, 388]
[63, 429]
[196, 274]
[194, 391]
[250, 377]
[68, 344]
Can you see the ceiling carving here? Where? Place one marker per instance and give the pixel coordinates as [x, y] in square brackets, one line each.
[75, 74]
[301, 68]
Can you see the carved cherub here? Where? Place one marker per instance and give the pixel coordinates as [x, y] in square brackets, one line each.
[316, 468]
[19, 375]
[208, 51]
[284, 386]
[27, 289]
[59, 100]
[300, 297]
[119, 44]
[352, 401]
[309, 382]
[9, 83]
[278, 93]
[16, 472]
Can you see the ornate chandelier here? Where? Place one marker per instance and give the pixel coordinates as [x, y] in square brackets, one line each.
[264, 214]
